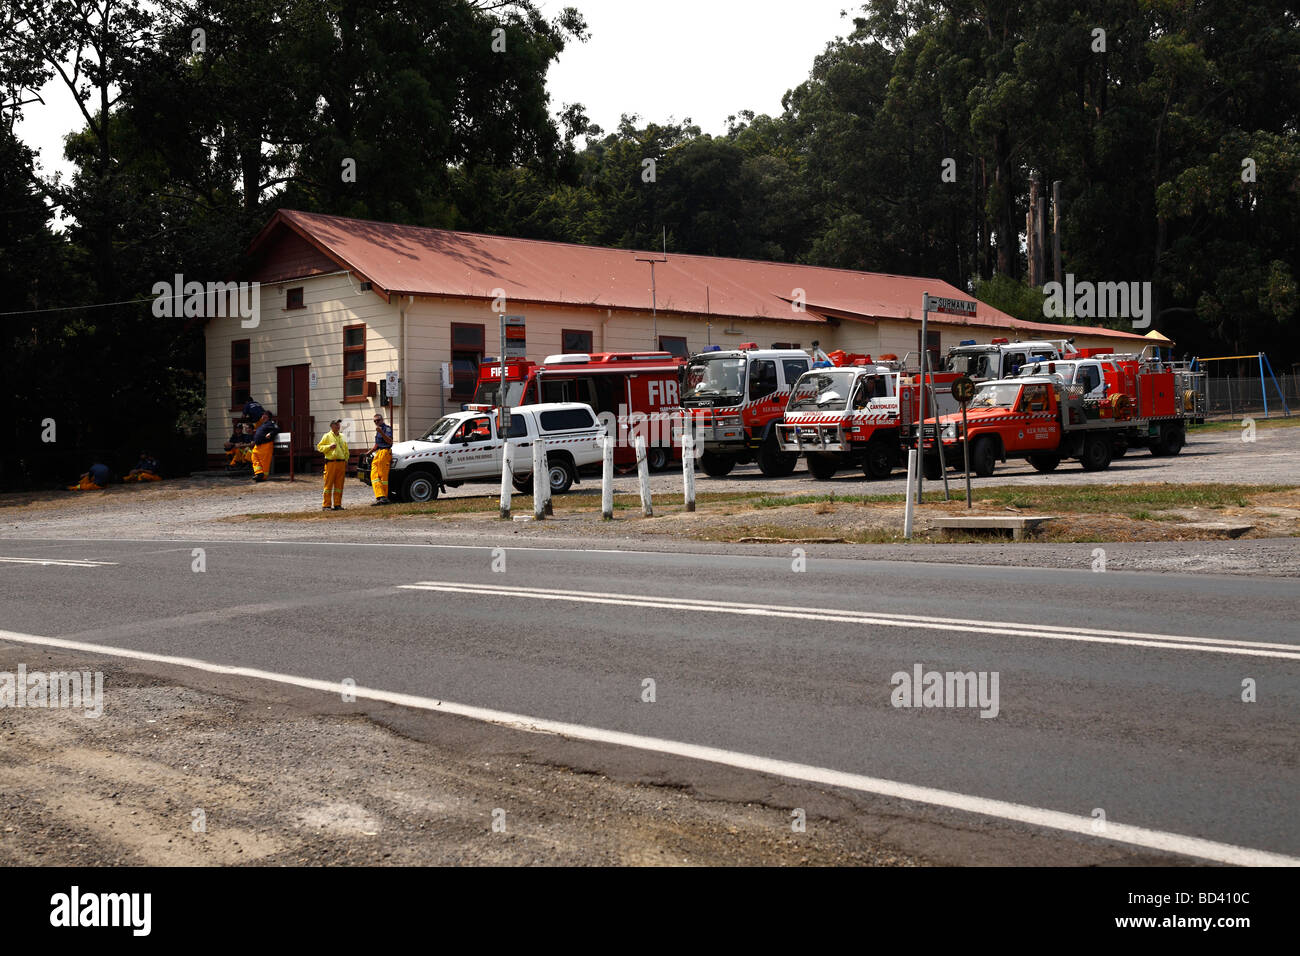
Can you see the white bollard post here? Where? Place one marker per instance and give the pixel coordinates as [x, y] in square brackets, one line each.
[911, 477]
[607, 480]
[540, 479]
[688, 471]
[506, 486]
[643, 475]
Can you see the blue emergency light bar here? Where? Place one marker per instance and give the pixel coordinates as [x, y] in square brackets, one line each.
[966, 342]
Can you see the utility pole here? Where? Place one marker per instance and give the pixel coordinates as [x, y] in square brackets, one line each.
[1056, 230]
[654, 297]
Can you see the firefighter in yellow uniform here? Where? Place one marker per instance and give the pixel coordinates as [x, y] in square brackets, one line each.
[335, 448]
[264, 446]
[146, 469]
[381, 459]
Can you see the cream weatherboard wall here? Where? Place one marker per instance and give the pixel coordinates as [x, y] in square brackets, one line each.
[312, 335]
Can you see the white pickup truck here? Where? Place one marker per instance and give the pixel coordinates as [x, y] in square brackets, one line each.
[465, 446]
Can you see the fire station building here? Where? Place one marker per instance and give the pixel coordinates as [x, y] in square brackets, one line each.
[344, 302]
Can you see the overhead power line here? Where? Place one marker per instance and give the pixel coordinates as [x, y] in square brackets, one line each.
[77, 308]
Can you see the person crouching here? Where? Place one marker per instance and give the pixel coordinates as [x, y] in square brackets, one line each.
[146, 469]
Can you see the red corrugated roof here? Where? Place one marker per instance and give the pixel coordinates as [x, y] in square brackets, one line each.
[415, 260]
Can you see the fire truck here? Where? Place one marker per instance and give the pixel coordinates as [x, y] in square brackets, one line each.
[851, 411]
[1089, 408]
[1002, 358]
[637, 390]
[731, 401]
[844, 414]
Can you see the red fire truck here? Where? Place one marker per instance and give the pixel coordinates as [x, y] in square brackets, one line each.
[1090, 408]
[851, 411]
[634, 392]
[732, 400]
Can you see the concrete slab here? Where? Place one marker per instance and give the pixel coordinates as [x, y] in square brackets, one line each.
[1222, 527]
[1019, 525]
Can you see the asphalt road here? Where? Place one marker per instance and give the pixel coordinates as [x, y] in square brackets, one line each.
[1154, 736]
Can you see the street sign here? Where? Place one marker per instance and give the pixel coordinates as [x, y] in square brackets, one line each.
[515, 339]
[963, 389]
[393, 388]
[313, 379]
[962, 307]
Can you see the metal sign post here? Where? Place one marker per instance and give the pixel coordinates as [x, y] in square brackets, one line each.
[964, 308]
[938, 437]
[514, 344]
[963, 389]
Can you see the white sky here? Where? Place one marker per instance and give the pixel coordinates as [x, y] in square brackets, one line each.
[662, 59]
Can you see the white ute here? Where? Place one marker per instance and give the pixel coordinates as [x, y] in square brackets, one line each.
[465, 446]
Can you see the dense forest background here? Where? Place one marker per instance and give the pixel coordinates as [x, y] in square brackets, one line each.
[1174, 136]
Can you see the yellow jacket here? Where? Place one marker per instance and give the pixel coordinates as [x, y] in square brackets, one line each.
[334, 446]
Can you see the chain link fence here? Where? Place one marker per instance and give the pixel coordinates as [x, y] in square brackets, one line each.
[1238, 396]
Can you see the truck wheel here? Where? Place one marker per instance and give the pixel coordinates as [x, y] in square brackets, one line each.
[559, 472]
[772, 461]
[1044, 462]
[420, 486]
[822, 467]
[656, 459]
[715, 465]
[1096, 453]
[1172, 439]
[1118, 448]
[878, 461]
[931, 468]
[523, 485]
[983, 456]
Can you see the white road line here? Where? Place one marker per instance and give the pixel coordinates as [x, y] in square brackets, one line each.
[880, 619]
[1001, 809]
[61, 562]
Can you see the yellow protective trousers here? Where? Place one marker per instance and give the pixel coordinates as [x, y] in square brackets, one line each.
[335, 473]
[379, 465]
[262, 458]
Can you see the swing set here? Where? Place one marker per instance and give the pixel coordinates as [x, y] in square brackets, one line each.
[1264, 364]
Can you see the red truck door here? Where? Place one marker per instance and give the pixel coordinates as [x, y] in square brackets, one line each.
[1038, 428]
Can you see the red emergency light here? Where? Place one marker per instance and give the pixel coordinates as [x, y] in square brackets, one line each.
[748, 346]
[1001, 341]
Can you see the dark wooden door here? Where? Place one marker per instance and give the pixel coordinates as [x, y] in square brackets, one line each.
[293, 407]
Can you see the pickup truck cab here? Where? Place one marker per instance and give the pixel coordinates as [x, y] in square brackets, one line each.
[1034, 417]
[466, 446]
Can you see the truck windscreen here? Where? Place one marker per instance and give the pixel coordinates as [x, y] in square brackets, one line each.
[488, 393]
[822, 391]
[714, 382]
[976, 364]
[441, 429]
[996, 395]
